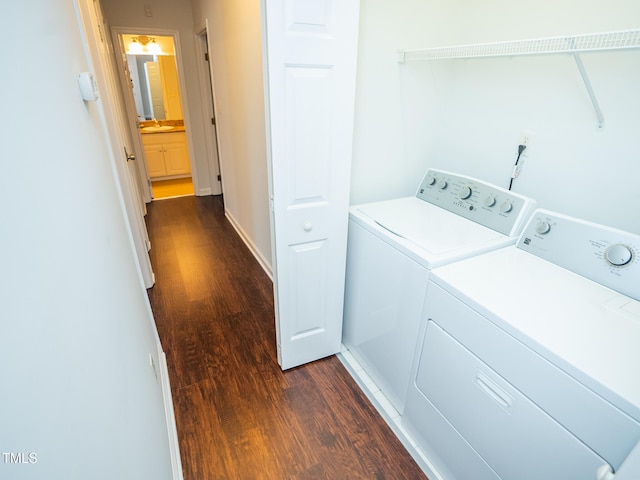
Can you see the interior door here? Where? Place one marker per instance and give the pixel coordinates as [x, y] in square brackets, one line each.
[310, 49]
[119, 140]
[170, 86]
[208, 94]
[155, 89]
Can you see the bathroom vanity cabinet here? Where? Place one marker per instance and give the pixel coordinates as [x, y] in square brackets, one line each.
[167, 154]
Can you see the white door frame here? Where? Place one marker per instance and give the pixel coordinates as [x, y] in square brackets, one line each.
[212, 137]
[118, 138]
[132, 113]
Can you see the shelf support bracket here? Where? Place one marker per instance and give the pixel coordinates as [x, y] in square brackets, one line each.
[587, 83]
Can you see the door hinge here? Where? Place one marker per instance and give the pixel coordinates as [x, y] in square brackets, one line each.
[213, 120]
[219, 178]
[206, 56]
[149, 182]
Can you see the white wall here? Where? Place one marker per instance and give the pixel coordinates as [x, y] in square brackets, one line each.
[467, 115]
[76, 331]
[235, 38]
[172, 15]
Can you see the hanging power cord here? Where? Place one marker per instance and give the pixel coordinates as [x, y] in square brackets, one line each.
[516, 168]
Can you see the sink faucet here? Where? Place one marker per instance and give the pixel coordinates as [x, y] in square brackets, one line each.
[156, 122]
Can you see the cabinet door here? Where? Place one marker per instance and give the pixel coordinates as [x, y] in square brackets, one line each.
[176, 159]
[155, 160]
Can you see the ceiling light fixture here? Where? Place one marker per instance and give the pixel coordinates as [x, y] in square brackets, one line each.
[142, 44]
[153, 48]
[135, 48]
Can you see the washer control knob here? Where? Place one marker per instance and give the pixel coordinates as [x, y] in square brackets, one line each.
[618, 254]
[490, 201]
[430, 181]
[506, 207]
[543, 228]
[465, 192]
[307, 227]
[442, 184]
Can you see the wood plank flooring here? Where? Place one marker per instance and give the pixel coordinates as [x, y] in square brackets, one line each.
[238, 415]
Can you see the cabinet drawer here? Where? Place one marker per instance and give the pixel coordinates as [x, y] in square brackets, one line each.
[162, 138]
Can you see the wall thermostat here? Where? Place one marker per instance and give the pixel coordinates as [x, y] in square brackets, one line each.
[87, 85]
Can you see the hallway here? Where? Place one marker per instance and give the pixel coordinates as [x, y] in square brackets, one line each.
[238, 415]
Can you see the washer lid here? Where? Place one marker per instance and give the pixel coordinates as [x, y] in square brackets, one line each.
[431, 228]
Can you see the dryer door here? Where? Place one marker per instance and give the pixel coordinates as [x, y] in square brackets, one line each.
[513, 435]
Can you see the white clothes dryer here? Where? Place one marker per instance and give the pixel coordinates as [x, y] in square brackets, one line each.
[392, 247]
[528, 364]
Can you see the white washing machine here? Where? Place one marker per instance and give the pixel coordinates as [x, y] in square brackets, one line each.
[392, 247]
[528, 364]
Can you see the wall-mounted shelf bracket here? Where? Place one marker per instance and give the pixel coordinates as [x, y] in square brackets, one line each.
[573, 45]
[587, 84]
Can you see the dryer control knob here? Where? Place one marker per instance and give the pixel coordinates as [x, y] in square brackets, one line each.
[618, 254]
[506, 207]
[543, 228]
[430, 181]
[465, 192]
[442, 184]
[490, 201]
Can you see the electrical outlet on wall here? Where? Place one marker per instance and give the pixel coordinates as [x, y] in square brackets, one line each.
[526, 139]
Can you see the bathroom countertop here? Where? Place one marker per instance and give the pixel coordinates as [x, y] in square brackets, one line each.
[178, 125]
[174, 130]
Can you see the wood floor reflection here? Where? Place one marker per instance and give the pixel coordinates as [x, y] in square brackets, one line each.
[238, 415]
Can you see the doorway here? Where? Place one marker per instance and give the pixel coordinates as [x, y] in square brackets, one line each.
[152, 78]
[207, 94]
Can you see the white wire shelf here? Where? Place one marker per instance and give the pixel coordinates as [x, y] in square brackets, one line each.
[594, 42]
[573, 45]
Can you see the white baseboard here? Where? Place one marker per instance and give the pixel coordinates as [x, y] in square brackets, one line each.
[388, 413]
[203, 192]
[174, 447]
[252, 247]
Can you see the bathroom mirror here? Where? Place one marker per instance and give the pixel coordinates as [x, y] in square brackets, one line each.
[154, 76]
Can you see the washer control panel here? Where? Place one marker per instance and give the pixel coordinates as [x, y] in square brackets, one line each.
[489, 205]
[605, 255]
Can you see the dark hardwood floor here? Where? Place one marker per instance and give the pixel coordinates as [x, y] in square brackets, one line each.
[238, 415]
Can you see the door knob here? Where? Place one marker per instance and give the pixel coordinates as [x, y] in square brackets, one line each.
[130, 156]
